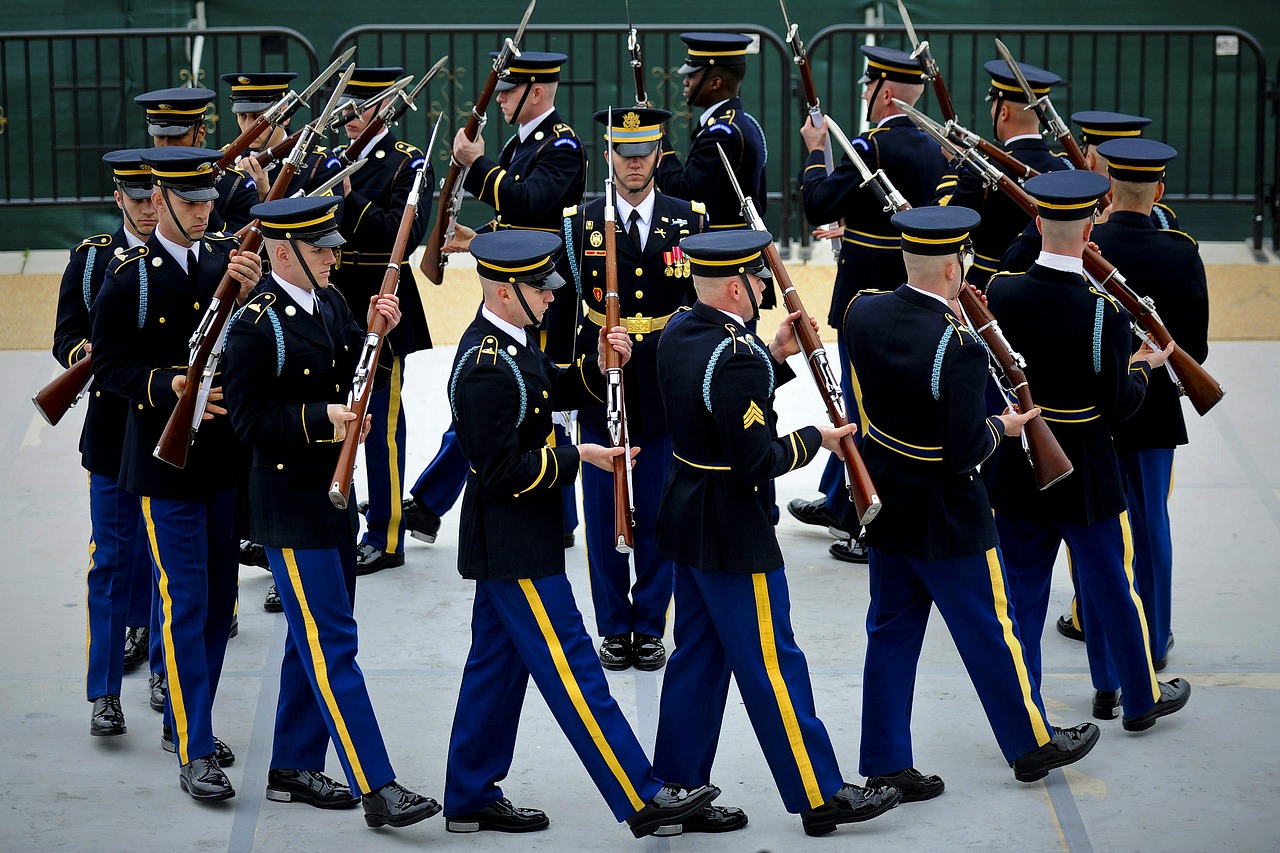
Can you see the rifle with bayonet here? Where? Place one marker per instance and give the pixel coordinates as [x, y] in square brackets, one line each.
[367, 364]
[615, 412]
[210, 336]
[1047, 458]
[1044, 110]
[399, 102]
[1188, 375]
[801, 59]
[637, 60]
[929, 65]
[861, 490]
[442, 230]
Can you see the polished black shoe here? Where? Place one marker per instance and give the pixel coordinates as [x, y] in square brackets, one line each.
[395, 805]
[1106, 704]
[569, 540]
[253, 554]
[1067, 746]
[615, 652]
[137, 648]
[203, 779]
[235, 628]
[159, 691]
[1067, 628]
[849, 550]
[815, 512]
[648, 653]
[1159, 665]
[422, 523]
[851, 804]
[1173, 695]
[363, 507]
[500, 816]
[107, 719]
[272, 603]
[221, 751]
[671, 805]
[369, 559]
[712, 818]
[310, 787]
[914, 785]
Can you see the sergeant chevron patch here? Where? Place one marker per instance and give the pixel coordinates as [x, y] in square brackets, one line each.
[753, 415]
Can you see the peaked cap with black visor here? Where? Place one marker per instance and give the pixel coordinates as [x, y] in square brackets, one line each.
[187, 173]
[528, 68]
[519, 257]
[300, 220]
[730, 254]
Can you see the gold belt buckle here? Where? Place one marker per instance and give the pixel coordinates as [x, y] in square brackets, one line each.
[638, 325]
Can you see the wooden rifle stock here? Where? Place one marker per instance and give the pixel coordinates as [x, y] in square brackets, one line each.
[623, 522]
[53, 400]
[278, 152]
[241, 144]
[1048, 460]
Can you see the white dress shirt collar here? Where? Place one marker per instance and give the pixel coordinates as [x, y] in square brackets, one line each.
[644, 208]
[306, 299]
[179, 252]
[711, 112]
[514, 331]
[532, 124]
[1065, 263]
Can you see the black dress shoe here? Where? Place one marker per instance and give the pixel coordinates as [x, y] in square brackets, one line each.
[369, 559]
[203, 779]
[500, 816]
[815, 512]
[615, 652]
[671, 805]
[395, 805]
[712, 818]
[568, 540]
[107, 719]
[1067, 746]
[235, 628]
[363, 507]
[1067, 628]
[253, 554]
[310, 787]
[849, 550]
[648, 653]
[422, 523]
[137, 648]
[1173, 695]
[272, 603]
[1106, 704]
[914, 785]
[159, 691]
[851, 804]
[1159, 665]
[225, 757]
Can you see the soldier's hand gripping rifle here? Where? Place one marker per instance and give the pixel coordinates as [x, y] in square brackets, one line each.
[801, 58]
[861, 490]
[637, 60]
[210, 336]
[451, 188]
[1046, 455]
[615, 412]
[399, 102]
[1190, 377]
[929, 65]
[367, 364]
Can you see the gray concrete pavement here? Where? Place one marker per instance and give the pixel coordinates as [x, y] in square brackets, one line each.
[1205, 779]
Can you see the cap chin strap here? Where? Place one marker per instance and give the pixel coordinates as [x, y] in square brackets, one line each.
[124, 208]
[871, 102]
[653, 173]
[751, 295]
[514, 121]
[533, 321]
[168, 206]
[697, 89]
[995, 117]
[306, 270]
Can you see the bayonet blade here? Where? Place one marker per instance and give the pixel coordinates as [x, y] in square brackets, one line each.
[323, 117]
[435, 134]
[435, 69]
[929, 126]
[324, 76]
[733, 179]
[524, 22]
[906, 22]
[1017, 72]
[843, 141]
[786, 19]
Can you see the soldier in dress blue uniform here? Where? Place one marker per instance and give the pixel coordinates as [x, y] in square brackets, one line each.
[176, 117]
[653, 284]
[1085, 382]
[153, 297]
[732, 606]
[502, 392]
[541, 170]
[1017, 129]
[373, 203]
[1165, 265]
[922, 376]
[286, 404]
[118, 581]
[869, 255]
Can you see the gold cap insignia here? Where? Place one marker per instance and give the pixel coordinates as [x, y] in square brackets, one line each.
[242, 79]
[204, 167]
[631, 121]
[165, 107]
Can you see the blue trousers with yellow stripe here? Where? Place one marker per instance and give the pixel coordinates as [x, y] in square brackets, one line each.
[384, 454]
[740, 624]
[622, 607]
[441, 482]
[833, 484]
[197, 561]
[532, 627]
[1149, 480]
[1115, 626]
[972, 595]
[117, 555]
[323, 696]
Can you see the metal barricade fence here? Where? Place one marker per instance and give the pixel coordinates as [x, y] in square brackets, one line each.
[597, 75]
[1205, 89]
[67, 97]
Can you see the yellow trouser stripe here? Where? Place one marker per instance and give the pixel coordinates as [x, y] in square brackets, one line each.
[575, 692]
[769, 650]
[176, 702]
[393, 457]
[1126, 533]
[88, 624]
[1016, 652]
[322, 670]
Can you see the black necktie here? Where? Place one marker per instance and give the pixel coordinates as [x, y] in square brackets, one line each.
[191, 265]
[634, 229]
